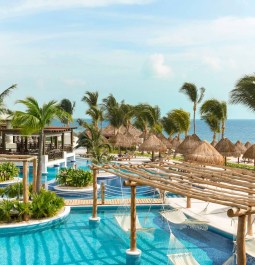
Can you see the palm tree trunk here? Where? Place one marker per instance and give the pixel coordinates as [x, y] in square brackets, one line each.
[194, 118]
[222, 129]
[214, 136]
[40, 154]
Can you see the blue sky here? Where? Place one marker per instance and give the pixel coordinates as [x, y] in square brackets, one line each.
[138, 50]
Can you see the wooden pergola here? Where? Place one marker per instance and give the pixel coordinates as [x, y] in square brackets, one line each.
[25, 159]
[226, 186]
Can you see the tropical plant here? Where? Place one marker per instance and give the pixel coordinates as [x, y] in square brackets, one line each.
[74, 177]
[46, 204]
[244, 92]
[16, 190]
[92, 139]
[217, 110]
[147, 118]
[176, 121]
[68, 107]
[6, 207]
[213, 122]
[91, 98]
[191, 91]
[8, 171]
[34, 120]
[3, 95]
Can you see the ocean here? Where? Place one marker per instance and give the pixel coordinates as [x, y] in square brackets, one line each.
[243, 130]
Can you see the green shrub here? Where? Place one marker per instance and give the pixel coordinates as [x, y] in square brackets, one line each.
[16, 190]
[241, 166]
[2, 191]
[46, 204]
[8, 171]
[74, 177]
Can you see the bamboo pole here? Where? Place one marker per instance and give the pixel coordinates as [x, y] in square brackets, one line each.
[25, 187]
[240, 241]
[34, 174]
[94, 212]
[188, 205]
[102, 192]
[133, 219]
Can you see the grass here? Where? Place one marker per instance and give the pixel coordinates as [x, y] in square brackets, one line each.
[241, 166]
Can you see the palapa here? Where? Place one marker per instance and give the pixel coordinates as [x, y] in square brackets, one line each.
[110, 131]
[205, 153]
[121, 140]
[175, 142]
[189, 143]
[248, 144]
[152, 144]
[227, 148]
[250, 152]
[164, 140]
[240, 147]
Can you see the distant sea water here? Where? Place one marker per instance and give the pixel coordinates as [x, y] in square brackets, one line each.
[243, 130]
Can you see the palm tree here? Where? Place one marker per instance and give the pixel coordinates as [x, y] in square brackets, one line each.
[91, 98]
[218, 109]
[244, 92]
[67, 106]
[34, 120]
[147, 118]
[92, 139]
[3, 95]
[213, 122]
[192, 92]
[180, 120]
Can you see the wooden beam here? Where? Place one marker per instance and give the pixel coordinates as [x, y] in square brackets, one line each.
[133, 219]
[34, 174]
[25, 187]
[249, 225]
[240, 241]
[94, 212]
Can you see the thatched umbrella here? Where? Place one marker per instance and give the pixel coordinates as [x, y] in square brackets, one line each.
[164, 140]
[121, 140]
[250, 153]
[248, 144]
[240, 147]
[227, 148]
[189, 143]
[214, 142]
[152, 144]
[110, 131]
[205, 153]
[175, 142]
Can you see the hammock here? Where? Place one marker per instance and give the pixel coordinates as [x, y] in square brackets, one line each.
[124, 222]
[178, 217]
[185, 258]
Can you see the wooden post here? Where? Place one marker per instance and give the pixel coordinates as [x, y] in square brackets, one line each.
[133, 219]
[249, 225]
[3, 141]
[188, 205]
[102, 192]
[94, 212]
[62, 141]
[240, 241]
[25, 186]
[34, 174]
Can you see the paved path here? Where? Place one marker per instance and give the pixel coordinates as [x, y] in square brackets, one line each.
[112, 202]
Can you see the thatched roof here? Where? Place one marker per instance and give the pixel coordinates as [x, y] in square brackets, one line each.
[240, 147]
[248, 144]
[213, 143]
[205, 153]
[250, 152]
[227, 148]
[88, 133]
[108, 131]
[164, 140]
[175, 142]
[121, 140]
[189, 143]
[152, 144]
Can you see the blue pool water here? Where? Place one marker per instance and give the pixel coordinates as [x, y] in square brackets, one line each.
[74, 242]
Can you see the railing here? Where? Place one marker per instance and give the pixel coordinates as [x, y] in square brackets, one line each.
[68, 148]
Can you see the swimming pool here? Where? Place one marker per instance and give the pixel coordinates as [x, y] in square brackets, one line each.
[75, 242]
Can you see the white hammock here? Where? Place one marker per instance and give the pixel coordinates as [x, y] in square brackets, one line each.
[178, 217]
[185, 258]
[124, 222]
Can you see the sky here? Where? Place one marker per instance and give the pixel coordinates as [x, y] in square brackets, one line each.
[138, 50]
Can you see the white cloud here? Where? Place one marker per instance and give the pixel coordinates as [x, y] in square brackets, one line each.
[21, 7]
[157, 67]
[213, 62]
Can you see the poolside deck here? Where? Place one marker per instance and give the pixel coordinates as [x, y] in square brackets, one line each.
[80, 202]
